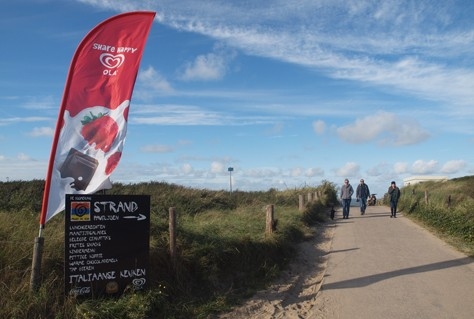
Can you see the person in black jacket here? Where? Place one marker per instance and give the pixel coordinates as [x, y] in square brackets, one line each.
[394, 195]
[362, 193]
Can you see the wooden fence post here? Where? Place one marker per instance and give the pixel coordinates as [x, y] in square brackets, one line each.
[301, 203]
[316, 196]
[270, 223]
[310, 197]
[172, 230]
[426, 197]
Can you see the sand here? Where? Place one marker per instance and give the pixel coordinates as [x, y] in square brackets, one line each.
[294, 294]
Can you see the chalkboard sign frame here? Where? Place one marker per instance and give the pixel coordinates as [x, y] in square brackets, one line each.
[107, 242]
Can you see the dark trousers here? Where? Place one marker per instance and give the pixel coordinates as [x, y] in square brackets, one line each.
[346, 204]
[393, 208]
[363, 204]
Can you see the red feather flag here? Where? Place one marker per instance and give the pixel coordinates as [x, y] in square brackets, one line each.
[92, 122]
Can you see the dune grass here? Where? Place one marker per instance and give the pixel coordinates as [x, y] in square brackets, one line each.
[446, 208]
[223, 253]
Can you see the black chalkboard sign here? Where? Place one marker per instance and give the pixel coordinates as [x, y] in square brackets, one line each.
[107, 239]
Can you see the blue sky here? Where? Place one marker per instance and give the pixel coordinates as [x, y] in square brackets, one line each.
[288, 93]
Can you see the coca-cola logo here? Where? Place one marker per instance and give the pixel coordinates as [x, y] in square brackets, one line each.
[138, 283]
[79, 291]
[111, 61]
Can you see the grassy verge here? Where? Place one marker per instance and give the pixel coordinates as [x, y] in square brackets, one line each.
[446, 208]
[223, 252]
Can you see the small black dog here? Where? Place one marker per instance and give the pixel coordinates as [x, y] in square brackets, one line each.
[333, 211]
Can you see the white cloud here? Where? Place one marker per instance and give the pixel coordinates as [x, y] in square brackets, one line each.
[41, 103]
[22, 167]
[275, 129]
[400, 168]
[319, 127]
[375, 170]
[262, 172]
[385, 128]
[296, 172]
[424, 167]
[353, 40]
[157, 148]
[41, 131]
[207, 67]
[29, 119]
[187, 168]
[348, 170]
[176, 115]
[217, 167]
[23, 157]
[311, 172]
[386, 170]
[149, 78]
[453, 166]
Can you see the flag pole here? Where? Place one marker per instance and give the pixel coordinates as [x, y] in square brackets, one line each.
[36, 264]
[39, 241]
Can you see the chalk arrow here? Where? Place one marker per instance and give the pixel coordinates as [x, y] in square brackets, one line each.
[139, 217]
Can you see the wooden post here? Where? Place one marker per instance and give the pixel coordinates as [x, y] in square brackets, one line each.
[270, 220]
[172, 230]
[310, 197]
[36, 264]
[316, 196]
[426, 197]
[301, 203]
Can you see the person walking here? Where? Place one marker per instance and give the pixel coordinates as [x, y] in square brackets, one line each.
[362, 194]
[346, 196]
[394, 194]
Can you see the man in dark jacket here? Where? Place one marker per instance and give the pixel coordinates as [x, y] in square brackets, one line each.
[394, 195]
[362, 193]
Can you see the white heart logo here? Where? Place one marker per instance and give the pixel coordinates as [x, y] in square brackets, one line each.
[111, 61]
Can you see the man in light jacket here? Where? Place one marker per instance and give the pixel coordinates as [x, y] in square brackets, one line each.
[346, 196]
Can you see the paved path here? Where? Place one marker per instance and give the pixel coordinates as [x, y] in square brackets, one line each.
[382, 267]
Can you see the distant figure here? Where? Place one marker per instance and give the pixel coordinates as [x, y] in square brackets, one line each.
[346, 196]
[362, 193]
[333, 212]
[394, 194]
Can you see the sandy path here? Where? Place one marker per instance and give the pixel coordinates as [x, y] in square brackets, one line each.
[370, 267]
[294, 294]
